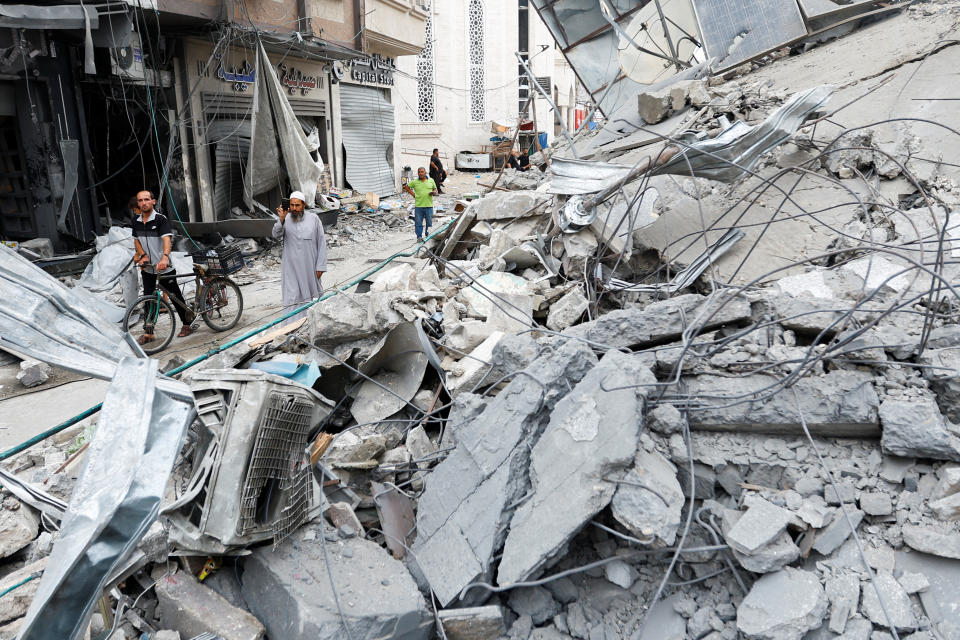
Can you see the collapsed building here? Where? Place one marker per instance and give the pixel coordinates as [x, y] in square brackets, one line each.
[697, 379]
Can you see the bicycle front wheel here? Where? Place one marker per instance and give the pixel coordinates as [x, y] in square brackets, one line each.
[151, 315]
[220, 304]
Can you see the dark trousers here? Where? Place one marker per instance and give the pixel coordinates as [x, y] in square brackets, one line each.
[171, 287]
[438, 178]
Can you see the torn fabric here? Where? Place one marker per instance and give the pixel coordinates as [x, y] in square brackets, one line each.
[272, 120]
[116, 499]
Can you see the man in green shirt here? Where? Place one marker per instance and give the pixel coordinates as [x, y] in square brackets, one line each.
[422, 189]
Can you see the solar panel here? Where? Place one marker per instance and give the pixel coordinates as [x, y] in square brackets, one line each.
[754, 26]
[814, 9]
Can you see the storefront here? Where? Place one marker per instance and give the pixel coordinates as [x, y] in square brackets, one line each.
[369, 125]
[221, 105]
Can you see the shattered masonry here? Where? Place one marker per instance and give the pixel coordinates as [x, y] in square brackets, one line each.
[699, 382]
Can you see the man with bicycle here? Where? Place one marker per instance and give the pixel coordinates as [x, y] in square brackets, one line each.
[153, 240]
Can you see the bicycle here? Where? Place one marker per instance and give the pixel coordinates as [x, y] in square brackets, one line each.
[216, 299]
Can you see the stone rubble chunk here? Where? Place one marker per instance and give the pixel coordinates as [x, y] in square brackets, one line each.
[932, 540]
[588, 444]
[500, 205]
[290, 591]
[567, 310]
[916, 428]
[33, 373]
[661, 321]
[462, 515]
[191, 608]
[665, 419]
[844, 594]
[535, 602]
[784, 605]
[772, 556]
[893, 468]
[473, 623]
[474, 368]
[946, 508]
[895, 601]
[948, 483]
[836, 533]
[342, 515]
[619, 573]
[654, 107]
[650, 500]
[814, 511]
[876, 504]
[913, 582]
[19, 525]
[759, 525]
[841, 403]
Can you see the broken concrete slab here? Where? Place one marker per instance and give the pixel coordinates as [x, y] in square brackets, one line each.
[463, 512]
[473, 623]
[829, 540]
[567, 310]
[341, 515]
[649, 501]
[574, 467]
[654, 106]
[936, 541]
[760, 525]
[33, 373]
[895, 600]
[913, 582]
[946, 508]
[535, 602]
[940, 599]
[291, 592]
[772, 556]
[664, 623]
[475, 366]
[16, 600]
[19, 525]
[191, 608]
[662, 321]
[876, 504]
[782, 606]
[843, 591]
[915, 428]
[842, 403]
[502, 205]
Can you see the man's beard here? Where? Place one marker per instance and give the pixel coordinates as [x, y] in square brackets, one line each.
[296, 216]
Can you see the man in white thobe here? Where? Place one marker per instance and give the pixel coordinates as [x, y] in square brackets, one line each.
[304, 252]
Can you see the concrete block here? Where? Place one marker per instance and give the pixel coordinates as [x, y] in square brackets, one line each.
[933, 540]
[876, 504]
[895, 601]
[190, 608]
[661, 321]
[291, 592]
[15, 603]
[784, 605]
[473, 623]
[589, 442]
[33, 373]
[843, 591]
[535, 602]
[19, 525]
[472, 368]
[462, 516]
[829, 539]
[841, 404]
[760, 525]
[567, 310]
[654, 107]
[342, 515]
[915, 428]
[772, 556]
[946, 508]
[650, 501]
[501, 205]
[913, 582]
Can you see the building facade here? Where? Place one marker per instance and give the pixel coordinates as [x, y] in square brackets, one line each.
[100, 100]
[468, 77]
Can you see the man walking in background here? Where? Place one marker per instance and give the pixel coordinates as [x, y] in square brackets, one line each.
[422, 189]
[304, 252]
[436, 170]
[152, 241]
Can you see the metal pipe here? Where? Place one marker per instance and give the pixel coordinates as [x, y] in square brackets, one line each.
[556, 112]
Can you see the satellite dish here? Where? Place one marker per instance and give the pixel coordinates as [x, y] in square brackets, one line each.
[338, 71]
[123, 56]
[647, 30]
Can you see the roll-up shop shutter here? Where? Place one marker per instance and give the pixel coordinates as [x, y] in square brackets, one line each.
[368, 126]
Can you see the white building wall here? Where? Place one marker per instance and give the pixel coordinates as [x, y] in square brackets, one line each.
[452, 131]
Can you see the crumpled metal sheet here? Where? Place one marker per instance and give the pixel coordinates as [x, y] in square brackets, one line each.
[44, 320]
[116, 499]
[395, 372]
[64, 16]
[579, 177]
[737, 150]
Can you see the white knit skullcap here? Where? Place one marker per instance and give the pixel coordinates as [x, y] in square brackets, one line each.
[299, 196]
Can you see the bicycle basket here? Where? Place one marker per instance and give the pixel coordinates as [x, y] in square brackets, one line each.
[219, 261]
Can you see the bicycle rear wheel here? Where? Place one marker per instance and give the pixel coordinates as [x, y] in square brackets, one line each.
[149, 315]
[220, 304]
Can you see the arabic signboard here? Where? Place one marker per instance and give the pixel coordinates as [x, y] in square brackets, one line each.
[375, 69]
[234, 70]
[295, 80]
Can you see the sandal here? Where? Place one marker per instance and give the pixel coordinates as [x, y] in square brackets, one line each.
[146, 338]
[185, 331]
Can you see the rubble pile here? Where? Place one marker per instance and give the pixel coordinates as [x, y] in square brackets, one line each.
[612, 400]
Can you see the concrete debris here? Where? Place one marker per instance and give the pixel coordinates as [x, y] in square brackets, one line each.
[784, 605]
[473, 623]
[190, 608]
[33, 373]
[632, 334]
[291, 591]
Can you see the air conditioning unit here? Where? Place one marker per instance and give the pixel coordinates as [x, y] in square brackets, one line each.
[249, 477]
[127, 62]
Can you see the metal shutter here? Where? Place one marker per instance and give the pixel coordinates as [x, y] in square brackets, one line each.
[231, 142]
[368, 126]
